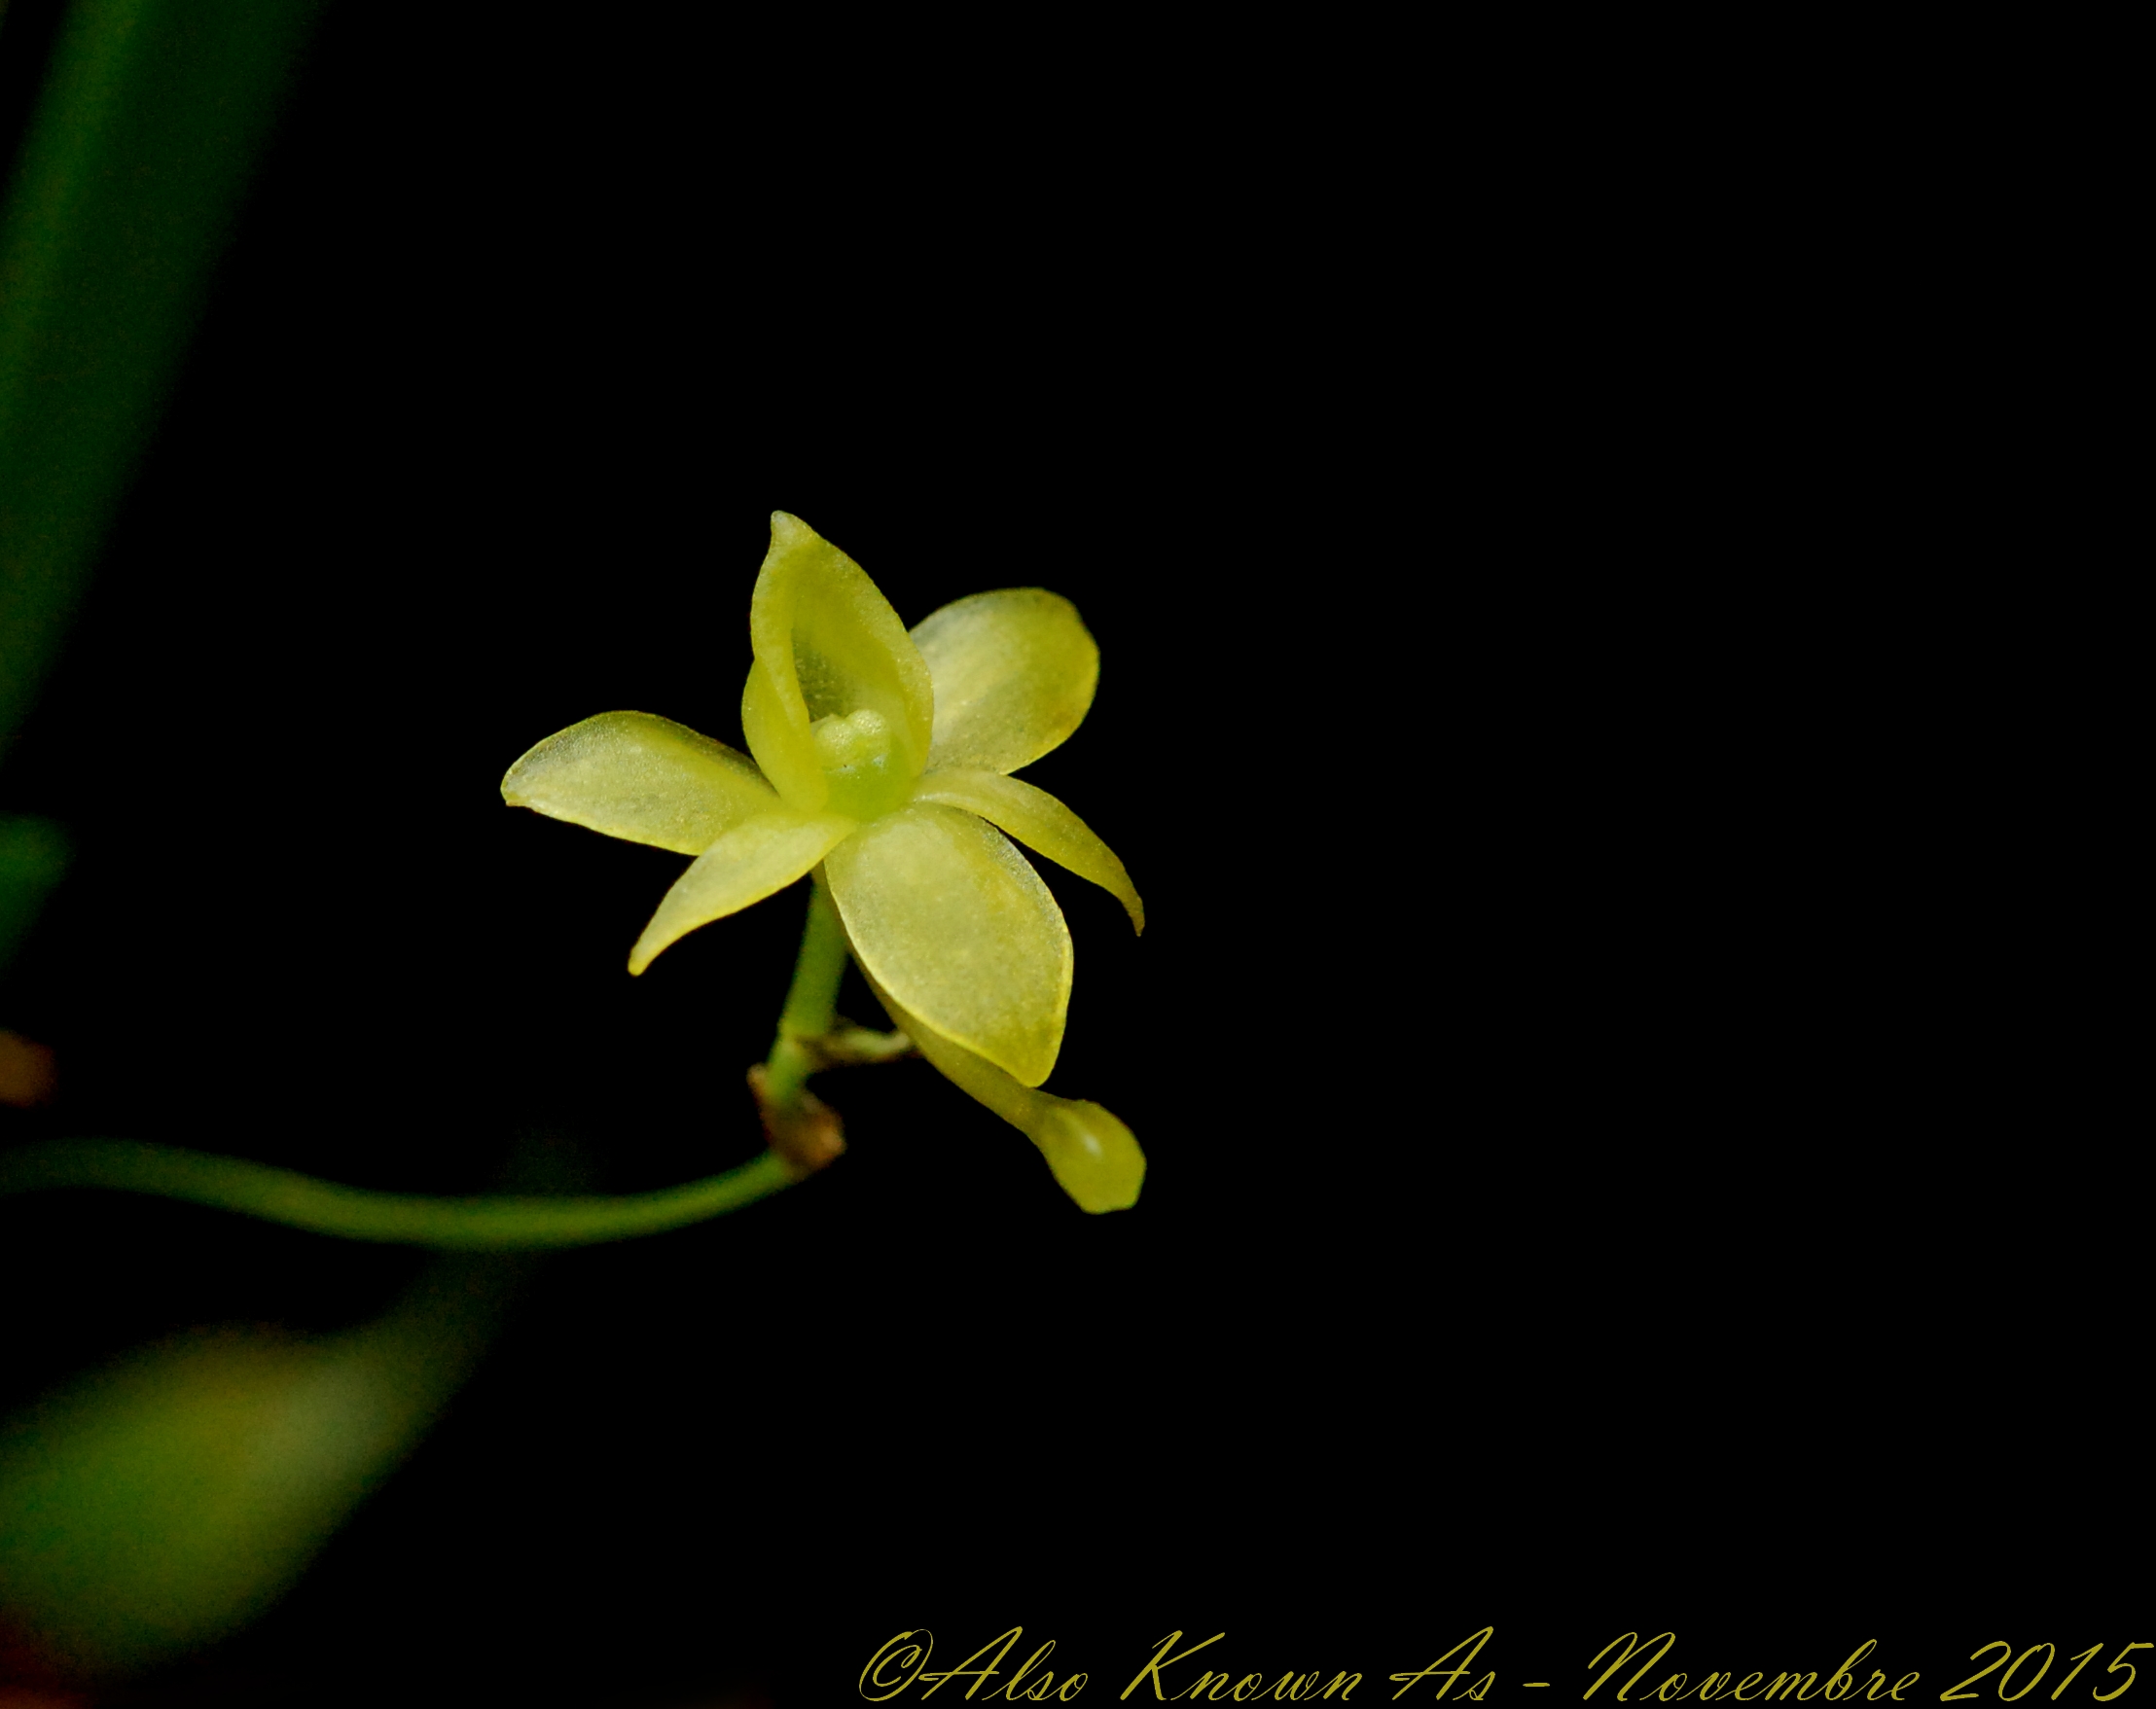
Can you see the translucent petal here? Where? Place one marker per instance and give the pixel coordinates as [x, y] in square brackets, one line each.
[1093, 1155]
[827, 643]
[1038, 820]
[747, 863]
[976, 1076]
[781, 744]
[949, 918]
[642, 777]
[1015, 672]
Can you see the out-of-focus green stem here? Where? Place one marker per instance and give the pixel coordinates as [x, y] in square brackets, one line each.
[33, 854]
[491, 1223]
[147, 125]
[812, 1003]
[159, 1503]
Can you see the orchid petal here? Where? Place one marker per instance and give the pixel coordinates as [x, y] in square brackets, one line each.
[642, 777]
[749, 863]
[781, 744]
[827, 644]
[948, 917]
[1013, 674]
[1038, 820]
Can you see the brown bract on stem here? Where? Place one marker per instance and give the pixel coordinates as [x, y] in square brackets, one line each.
[803, 1130]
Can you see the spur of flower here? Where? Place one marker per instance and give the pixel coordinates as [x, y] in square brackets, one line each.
[880, 760]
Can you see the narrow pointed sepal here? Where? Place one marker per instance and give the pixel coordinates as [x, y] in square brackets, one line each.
[949, 918]
[1038, 820]
[1014, 672]
[749, 863]
[641, 777]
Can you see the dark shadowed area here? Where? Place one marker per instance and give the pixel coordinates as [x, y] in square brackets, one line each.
[1537, 916]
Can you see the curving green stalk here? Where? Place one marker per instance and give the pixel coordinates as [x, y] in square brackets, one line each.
[488, 1221]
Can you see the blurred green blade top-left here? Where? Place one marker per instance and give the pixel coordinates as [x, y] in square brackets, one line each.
[149, 121]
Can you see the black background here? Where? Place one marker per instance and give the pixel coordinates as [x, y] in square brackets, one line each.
[1536, 1041]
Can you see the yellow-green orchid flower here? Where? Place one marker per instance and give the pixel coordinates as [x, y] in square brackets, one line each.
[884, 757]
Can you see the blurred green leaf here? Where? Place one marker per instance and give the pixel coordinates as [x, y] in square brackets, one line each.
[151, 114]
[163, 1502]
[33, 854]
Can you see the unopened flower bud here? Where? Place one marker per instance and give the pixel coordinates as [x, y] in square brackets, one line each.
[1093, 1155]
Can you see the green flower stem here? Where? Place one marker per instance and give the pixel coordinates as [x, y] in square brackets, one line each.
[490, 1223]
[811, 1005]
